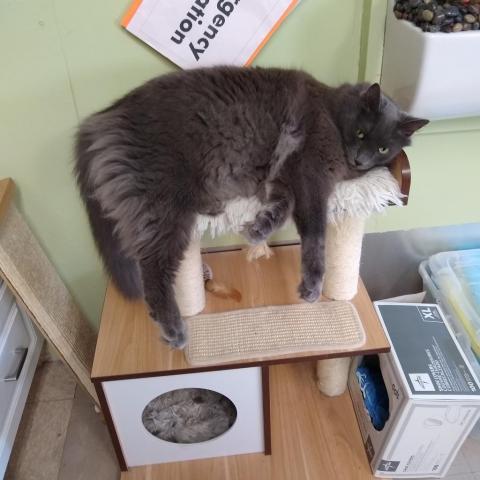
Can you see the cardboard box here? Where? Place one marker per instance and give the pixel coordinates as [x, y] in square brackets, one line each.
[433, 395]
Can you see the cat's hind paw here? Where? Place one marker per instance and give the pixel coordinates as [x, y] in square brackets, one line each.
[175, 335]
[310, 293]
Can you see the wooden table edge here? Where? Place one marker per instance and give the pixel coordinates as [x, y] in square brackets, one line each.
[237, 365]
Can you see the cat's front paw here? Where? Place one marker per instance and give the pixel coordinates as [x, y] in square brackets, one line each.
[310, 293]
[255, 232]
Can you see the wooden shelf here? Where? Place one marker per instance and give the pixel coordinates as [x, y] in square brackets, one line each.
[313, 437]
[310, 435]
[129, 342]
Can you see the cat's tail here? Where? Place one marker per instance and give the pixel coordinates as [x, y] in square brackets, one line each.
[124, 270]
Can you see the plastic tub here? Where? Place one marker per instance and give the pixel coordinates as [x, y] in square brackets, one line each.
[452, 279]
[457, 277]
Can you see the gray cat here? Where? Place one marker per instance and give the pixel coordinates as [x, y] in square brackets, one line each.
[186, 143]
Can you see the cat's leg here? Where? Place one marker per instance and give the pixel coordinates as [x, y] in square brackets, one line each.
[160, 299]
[310, 219]
[159, 268]
[272, 216]
[313, 267]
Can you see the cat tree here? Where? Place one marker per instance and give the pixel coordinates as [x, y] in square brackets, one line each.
[351, 203]
[128, 322]
[132, 367]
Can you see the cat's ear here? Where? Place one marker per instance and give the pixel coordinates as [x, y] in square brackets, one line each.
[371, 97]
[409, 125]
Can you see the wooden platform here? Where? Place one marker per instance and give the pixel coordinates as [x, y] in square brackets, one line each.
[313, 437]
[129, 344]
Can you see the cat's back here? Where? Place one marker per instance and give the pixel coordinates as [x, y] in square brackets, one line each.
[223, 114]
[215, 82]
[186, 125]
[184, 93]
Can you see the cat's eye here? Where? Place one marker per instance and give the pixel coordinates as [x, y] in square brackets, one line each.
[360, 134]
[383, 150]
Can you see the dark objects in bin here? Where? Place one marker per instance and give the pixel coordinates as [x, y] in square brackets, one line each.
[375, 396]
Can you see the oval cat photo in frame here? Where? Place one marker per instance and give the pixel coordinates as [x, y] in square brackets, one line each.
[189, 415]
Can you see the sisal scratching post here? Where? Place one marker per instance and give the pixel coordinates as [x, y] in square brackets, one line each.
[343, 248]
[38, 287]
[332, 375]
[270, 331]
[351, 202]
[189, 288]
[342, 263]
[349, 206]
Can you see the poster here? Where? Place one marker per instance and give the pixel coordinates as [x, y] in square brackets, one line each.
[203, 33]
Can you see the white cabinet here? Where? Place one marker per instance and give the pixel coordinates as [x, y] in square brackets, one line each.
[20, 345]
[128, 398]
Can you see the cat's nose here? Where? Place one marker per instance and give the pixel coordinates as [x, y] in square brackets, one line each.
[359, 163]
[362, 163]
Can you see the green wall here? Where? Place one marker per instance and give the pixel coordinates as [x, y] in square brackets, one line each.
[63, 59]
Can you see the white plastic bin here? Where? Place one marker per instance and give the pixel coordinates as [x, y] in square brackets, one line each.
[451, 280]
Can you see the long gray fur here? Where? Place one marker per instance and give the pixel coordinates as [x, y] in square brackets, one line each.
[186, 143]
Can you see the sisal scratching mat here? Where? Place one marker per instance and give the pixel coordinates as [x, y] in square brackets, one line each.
[36, 283]
[270, 331]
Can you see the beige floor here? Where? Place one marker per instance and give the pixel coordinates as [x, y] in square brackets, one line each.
[62, 438]
[60, 435]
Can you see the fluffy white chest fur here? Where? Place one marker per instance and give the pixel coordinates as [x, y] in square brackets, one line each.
[360, 197]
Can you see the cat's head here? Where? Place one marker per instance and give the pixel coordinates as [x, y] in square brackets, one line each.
[374, 128]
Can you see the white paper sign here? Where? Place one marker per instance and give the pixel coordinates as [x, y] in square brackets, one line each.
[201, 33]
